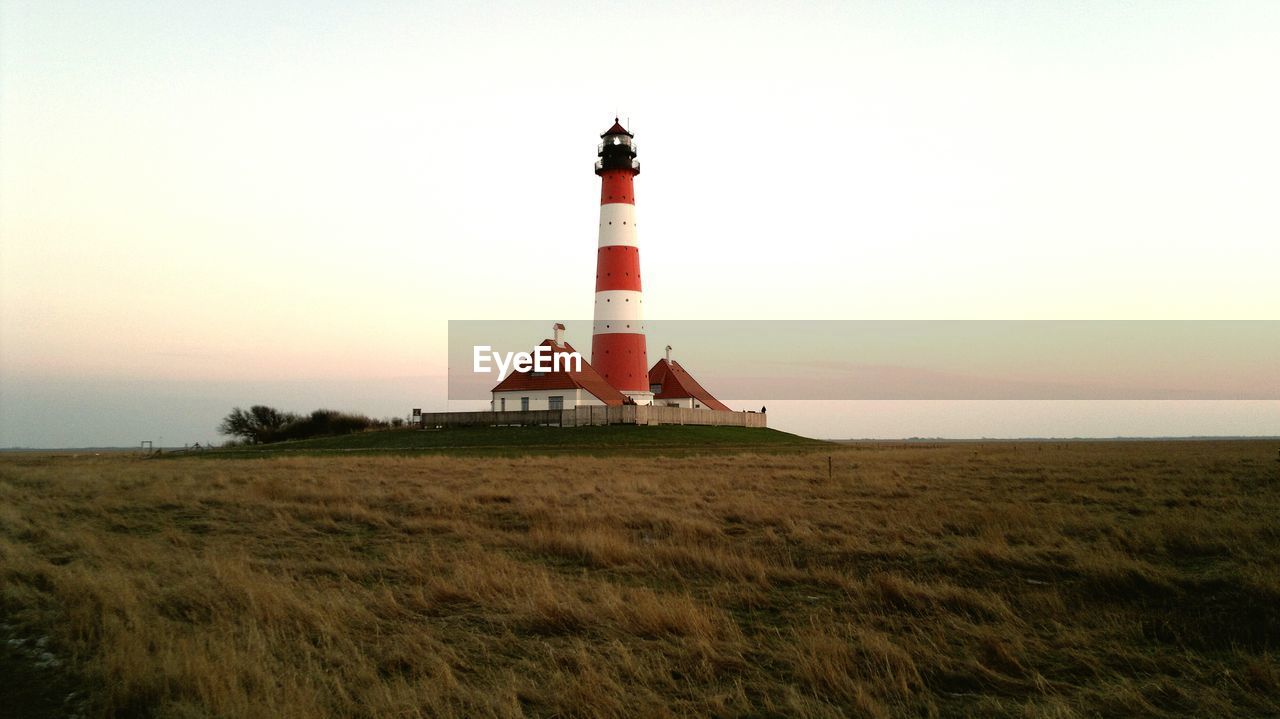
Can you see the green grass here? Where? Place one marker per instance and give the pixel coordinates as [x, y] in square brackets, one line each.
[612, 439]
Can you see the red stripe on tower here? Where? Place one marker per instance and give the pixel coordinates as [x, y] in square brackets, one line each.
[618, 268]
[617, 185]
[618, 342]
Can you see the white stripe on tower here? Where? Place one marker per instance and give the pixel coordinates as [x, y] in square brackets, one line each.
[619, 311]
[618, 224]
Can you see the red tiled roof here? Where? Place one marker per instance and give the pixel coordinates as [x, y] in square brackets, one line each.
[676, 383]
[587, 378]
[617, 129]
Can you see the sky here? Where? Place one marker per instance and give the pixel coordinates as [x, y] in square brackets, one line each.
[205, 205]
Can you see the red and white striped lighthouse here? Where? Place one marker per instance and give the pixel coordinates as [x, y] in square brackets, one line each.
[617, 342]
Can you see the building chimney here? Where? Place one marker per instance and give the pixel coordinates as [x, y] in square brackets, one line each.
[668, 354]
[558, 334]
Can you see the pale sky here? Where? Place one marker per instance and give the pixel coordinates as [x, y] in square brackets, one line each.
[214, 204]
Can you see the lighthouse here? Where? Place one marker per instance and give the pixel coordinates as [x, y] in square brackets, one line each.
[618, 341]
[618, 373]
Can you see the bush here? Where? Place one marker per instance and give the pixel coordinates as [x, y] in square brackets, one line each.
[259, 425]
[263, 425]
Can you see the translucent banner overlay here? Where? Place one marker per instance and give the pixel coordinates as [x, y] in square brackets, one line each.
[923, 359]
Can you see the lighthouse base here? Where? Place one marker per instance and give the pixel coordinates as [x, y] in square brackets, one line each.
[640, 397]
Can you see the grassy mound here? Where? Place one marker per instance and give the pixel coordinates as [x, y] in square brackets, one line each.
[612, 439]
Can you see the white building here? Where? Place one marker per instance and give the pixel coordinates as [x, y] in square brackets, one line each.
[569, 385]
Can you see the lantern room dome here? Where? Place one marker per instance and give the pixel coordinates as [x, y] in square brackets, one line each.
[617, 129]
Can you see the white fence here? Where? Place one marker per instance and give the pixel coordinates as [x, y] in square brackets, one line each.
[596, 416]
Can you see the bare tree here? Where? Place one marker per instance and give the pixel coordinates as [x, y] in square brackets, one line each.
[257, 425]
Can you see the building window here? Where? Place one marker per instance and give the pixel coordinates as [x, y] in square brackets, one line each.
[555, 402]
[524, 404]
[502, 404]
[655, 388]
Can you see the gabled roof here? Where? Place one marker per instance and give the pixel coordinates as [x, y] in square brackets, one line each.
[676, 383]
[617, 129]
[586, 378]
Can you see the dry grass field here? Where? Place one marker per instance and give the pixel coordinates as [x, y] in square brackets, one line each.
[1014, 579]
